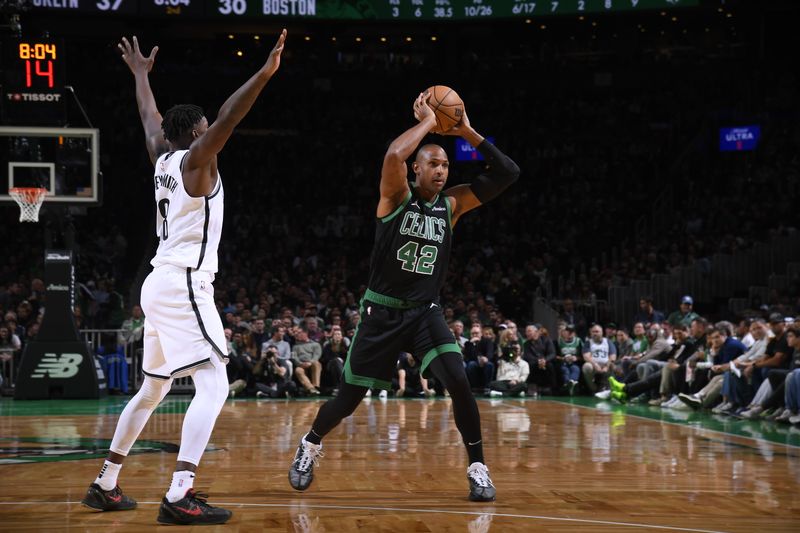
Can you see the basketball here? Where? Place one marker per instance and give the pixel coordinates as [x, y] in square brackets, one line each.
[447, 106]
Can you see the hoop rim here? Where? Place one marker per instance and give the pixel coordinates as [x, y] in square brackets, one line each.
[23, 190]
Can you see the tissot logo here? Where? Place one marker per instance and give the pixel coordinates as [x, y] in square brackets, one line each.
[56, 257]
[54, 287]
[56, 367]
[34, 97]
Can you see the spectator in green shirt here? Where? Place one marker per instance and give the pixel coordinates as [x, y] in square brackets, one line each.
[685, 315]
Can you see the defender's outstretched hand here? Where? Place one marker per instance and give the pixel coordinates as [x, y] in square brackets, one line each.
[133, 56]
[274, 59]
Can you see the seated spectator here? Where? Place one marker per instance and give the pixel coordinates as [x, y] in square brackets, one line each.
[540, 354]
[315, 333]
[512, 373]
[684, 315]
[272, 377]
[725, 349]
[457, 327]
[707, 374]
[680, 351]
[10, 345]
[599, 355]
[409, 378]
[791, 394]
[624, 344]
[305, 359]
[772, 370]
[743, 332]
[132, 328]
[478, 354]
[647, 314]
[277, 340]
[656, 355]
[570, 355]
[333, 355]
[752, 387]
[259, 334]
[239, 369]
[758, 333]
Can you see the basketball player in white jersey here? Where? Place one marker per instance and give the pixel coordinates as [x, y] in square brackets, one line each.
[183, 331]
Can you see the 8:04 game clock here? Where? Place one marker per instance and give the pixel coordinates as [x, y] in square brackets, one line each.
[33, 82]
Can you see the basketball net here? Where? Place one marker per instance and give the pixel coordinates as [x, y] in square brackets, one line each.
[29, 200]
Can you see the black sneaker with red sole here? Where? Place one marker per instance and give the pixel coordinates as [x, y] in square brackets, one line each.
[192, 509]
[107, 500]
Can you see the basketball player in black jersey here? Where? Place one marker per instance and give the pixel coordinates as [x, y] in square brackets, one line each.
[400, 310]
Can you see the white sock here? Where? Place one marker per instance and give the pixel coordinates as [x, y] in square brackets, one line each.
[181, 482]
[107, 478]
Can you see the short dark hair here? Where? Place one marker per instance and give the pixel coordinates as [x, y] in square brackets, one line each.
[179, 120]
[700, 320]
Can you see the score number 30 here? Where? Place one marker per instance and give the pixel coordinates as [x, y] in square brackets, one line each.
[36, 57]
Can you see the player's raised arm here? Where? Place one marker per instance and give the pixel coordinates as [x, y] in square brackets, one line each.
[394, 174]
[148, 111]
[501, 171]
[208, 145]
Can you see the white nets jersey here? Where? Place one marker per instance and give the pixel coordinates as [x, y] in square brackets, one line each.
[188, 228]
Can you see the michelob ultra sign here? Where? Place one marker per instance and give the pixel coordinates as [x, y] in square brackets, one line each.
[739, 139]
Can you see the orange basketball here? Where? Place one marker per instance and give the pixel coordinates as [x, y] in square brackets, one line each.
[447, 106]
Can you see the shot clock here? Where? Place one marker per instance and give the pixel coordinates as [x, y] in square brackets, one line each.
[33, 82]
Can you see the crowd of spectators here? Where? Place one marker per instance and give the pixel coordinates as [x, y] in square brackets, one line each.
[597, 152]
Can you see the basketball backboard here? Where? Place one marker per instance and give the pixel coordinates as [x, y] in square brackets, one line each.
[65, 161]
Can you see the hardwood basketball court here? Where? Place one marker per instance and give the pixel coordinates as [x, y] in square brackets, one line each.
[399, 465]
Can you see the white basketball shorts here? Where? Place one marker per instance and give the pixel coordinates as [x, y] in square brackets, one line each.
[182, 328]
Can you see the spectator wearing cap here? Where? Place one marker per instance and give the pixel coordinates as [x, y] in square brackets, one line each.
[569, 353]
[647, 313]
[512, 373]
[611, 332]
[685, 314]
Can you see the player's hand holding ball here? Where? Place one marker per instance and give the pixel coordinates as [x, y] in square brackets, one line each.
[422, 111]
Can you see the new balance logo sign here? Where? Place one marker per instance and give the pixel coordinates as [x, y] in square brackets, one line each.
[57, 367]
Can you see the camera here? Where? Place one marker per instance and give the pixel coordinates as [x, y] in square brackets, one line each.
[510, 350]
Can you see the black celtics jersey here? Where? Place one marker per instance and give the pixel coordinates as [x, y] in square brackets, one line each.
[412, 250]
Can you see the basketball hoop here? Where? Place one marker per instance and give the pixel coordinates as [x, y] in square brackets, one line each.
[30, 201]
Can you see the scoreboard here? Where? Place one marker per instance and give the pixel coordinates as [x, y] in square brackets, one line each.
[430, 10]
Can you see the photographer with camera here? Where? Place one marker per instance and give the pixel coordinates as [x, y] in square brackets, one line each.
[512, 372]
[273, 378]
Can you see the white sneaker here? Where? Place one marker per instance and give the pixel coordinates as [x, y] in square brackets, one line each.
[795, 419]
[383, 395]
[368, 394]
[724, 406]
[603, 394]
[481, 488]
[752, 413]
[668, 402]
[785, 416]
[680, 406]
[495, 393]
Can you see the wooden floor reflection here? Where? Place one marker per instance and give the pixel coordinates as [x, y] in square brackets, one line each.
[399, 466]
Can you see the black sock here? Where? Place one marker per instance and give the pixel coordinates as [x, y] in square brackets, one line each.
[313, 438]
[475, 451]
[449, 369]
